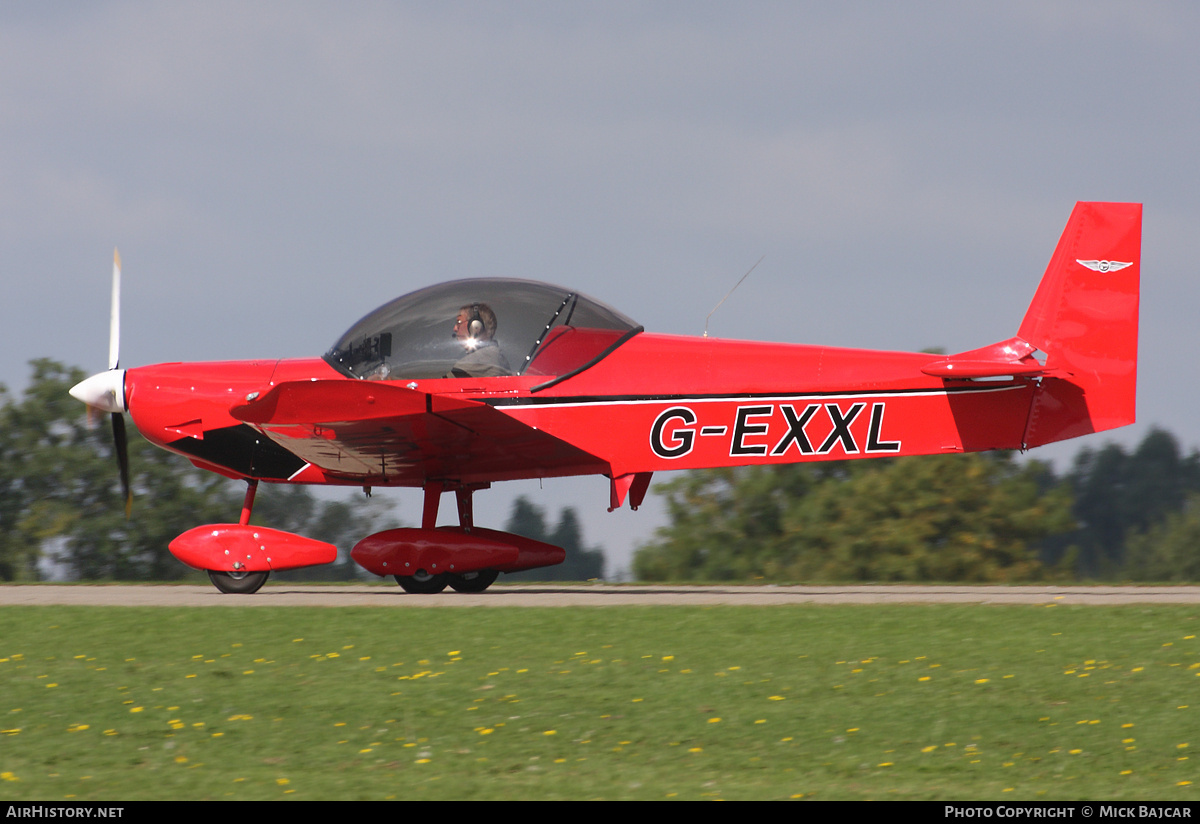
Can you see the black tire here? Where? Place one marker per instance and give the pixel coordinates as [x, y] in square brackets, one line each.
[238, 583]
[423, 583]
[473, 581]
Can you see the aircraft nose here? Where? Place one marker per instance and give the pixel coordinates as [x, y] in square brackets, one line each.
[104, 390]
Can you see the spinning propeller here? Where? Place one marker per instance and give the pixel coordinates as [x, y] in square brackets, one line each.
[105, 391]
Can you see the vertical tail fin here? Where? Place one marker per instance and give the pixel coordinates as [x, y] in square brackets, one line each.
[1084, 318]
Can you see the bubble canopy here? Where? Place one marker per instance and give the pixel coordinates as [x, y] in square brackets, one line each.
[540, 329]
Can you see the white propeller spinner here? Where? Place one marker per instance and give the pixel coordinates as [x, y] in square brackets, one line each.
[104, 390]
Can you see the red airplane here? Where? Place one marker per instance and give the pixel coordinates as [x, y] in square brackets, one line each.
[461, 385]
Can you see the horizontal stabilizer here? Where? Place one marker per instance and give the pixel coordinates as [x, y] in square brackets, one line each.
[1013, 357]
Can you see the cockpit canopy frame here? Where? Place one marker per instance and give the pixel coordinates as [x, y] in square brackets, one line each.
[541, 329]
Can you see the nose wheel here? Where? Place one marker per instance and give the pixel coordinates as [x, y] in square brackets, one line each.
[238, 583]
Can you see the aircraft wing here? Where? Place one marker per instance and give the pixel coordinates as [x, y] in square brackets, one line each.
[377, 433]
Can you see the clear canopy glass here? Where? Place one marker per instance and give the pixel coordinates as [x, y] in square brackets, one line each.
[533, 329]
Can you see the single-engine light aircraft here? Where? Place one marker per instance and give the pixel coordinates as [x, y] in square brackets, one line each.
[458, 386]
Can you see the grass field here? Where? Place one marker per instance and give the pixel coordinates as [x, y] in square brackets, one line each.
[813, 702]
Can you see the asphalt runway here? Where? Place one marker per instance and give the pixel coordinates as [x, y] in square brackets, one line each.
[597, 595]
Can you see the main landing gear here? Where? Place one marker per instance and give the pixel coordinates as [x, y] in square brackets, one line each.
[474, 581]
[466, 558]
[423, 582]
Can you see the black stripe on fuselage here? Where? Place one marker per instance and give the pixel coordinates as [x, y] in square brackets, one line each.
[600, 400]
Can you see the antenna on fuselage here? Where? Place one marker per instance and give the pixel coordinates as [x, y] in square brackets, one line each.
[730, 292]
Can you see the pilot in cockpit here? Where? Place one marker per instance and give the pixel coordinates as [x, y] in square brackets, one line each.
[475, 329]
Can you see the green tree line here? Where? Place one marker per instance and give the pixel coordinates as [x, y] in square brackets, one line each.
[985, 517]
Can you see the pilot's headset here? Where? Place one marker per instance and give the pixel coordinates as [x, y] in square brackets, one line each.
[475, 325]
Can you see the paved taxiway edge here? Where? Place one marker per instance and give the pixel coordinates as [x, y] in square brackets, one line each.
[547, 595]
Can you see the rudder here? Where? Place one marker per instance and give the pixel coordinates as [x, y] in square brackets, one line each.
[1084, 318]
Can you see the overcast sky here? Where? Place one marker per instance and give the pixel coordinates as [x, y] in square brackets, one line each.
[273, 171]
